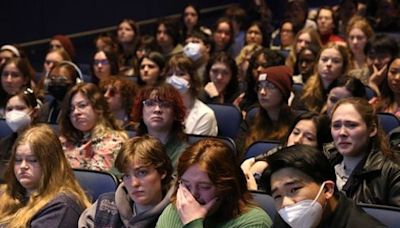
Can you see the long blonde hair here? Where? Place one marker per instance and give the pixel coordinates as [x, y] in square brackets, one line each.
[16, 209]
[314, 94]
[292, 57]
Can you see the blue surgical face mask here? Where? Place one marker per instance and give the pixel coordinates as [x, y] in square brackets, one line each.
[192, 50]
[179, 83]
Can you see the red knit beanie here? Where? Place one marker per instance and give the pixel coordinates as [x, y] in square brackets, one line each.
[280, 76]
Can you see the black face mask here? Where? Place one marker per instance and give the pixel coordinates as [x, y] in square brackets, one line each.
[58, 91]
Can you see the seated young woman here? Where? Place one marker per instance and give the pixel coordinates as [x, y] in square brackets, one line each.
[90, 135]
[144, 192]
[366, 169]
[333, 63]
[40, 189]
[211, 191]
[221, 78]
[120, 92]
[22, 110]
[259, 61]
[308, 128]
[273, 119]
[390, 90]
[160, 112]
[343, 88]
[199, 118]
[16, 74]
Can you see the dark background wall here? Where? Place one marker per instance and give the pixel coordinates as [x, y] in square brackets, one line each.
[23, 21]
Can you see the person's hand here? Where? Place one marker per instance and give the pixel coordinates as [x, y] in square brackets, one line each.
[211, 90]
[238, 99]
[258, 167]
[188, 207]
[250, 167]
[376, 78]
[251, 182]
[246, 165]
[377, 75]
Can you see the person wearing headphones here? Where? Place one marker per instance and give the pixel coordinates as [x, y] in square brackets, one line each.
[60, 79]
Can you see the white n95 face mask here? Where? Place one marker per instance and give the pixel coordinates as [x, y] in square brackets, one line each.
[17, 120]
[303, 214]
[192, 50]
[178, 83]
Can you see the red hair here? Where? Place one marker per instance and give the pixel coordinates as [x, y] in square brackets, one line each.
[165, 92]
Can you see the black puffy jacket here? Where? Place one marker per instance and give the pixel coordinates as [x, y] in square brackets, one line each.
[375, 180]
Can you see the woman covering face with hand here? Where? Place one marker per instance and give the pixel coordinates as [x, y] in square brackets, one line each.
[211, 191]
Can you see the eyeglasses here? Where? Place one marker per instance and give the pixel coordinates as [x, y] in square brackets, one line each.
[101, 61]
[14, 74]
[79, 106]
[152, 103]
[59, 80]
[265, 85]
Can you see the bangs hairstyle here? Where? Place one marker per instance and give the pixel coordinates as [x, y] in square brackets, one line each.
[165, 92]
[29, 98]
[183, 63]
[57, 177]
[218, 160]
[148, 151]
[99, 104]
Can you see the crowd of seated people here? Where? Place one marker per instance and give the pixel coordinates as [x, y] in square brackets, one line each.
[133, 111]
